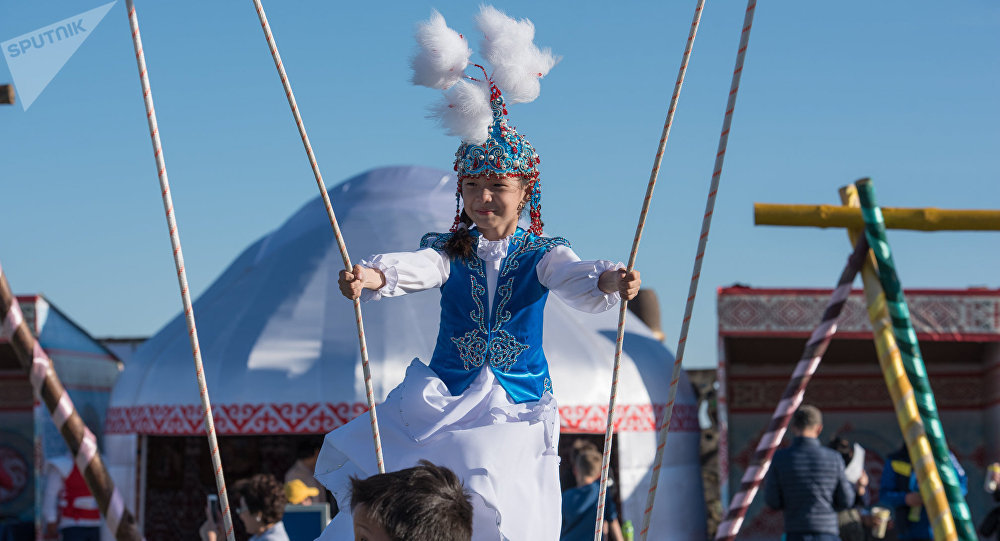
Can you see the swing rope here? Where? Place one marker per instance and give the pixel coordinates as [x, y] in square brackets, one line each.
[696, 273]
[369, 392]
[175, 241]
[658, 159]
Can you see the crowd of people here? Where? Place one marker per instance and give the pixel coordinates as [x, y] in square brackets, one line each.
[823, 492]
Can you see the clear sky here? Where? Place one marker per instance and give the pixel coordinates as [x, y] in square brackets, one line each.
[904, 92]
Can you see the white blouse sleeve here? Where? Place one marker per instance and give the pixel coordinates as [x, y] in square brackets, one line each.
[407, 272]
[575, 281]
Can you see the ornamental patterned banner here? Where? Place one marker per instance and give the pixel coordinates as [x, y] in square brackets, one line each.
[937, 316]
[250, 419]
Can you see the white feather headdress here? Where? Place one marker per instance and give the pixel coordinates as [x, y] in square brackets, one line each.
[507, 46]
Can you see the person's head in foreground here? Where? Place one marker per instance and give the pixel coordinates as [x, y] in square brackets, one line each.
[423, 503]
[807, 421]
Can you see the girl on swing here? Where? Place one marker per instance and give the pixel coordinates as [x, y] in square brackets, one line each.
[483, 406]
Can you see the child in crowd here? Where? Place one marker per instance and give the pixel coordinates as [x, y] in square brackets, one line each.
[579, 504]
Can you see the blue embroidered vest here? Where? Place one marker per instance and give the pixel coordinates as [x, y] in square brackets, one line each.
[509, 337]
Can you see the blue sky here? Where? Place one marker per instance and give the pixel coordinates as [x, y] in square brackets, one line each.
[903, 92]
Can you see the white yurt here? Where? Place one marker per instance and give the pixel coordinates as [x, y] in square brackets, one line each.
[281, 354]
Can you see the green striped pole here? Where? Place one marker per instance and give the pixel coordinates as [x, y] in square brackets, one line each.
[913, 362]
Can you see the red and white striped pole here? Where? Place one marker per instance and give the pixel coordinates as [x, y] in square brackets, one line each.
[791, 399]
[175, 241]
[369, 392]
[654, 174]
[699, 257]
[79, 439]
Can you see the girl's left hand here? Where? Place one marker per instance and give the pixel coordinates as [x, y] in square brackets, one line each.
[624, 282]
[629, 283]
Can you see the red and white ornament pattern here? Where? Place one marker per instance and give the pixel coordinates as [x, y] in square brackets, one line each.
[306, 418]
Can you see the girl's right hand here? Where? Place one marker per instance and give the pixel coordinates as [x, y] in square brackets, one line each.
[352, 282]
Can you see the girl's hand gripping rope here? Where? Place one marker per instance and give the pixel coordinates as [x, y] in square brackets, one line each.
[624, 282]
[351, 283]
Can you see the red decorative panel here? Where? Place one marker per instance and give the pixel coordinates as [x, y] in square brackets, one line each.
[233, 419]
[249, 419]
[628, 418]
[936, 315]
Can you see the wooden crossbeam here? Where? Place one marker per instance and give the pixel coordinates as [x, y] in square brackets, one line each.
[919, 219]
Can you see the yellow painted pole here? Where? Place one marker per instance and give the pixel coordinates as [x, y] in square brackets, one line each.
[901, 392]
[920, 219]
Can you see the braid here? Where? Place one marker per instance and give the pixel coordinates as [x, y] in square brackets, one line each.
[460, 245]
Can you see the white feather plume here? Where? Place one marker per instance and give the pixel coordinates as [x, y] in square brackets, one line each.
[442, 54]
[465, 111]
[508, 45]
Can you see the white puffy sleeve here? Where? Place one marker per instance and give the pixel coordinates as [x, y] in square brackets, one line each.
[575, 281]
[407, 272]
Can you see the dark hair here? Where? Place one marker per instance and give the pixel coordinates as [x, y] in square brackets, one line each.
[422, 503]
[461, 245]
[264, 496]
[806, 416]
[586, 458]
[308, 446]
[843, 447]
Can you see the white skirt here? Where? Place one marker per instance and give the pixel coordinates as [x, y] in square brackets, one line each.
[506, 454]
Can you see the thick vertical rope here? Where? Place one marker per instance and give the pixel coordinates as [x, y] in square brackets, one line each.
[657, 160]
[901, 392]
[699, 257]
[81, 441]
[791, 399]
[369, 392]
[913, 362]
[175, 241]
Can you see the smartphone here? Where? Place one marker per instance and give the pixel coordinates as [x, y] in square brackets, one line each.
[213, 504]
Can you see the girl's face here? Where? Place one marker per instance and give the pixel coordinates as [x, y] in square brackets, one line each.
[494, 204]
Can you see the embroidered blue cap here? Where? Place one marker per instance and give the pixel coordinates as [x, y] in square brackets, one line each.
[504, 153]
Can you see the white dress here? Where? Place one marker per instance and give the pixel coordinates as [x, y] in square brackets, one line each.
[505, 453]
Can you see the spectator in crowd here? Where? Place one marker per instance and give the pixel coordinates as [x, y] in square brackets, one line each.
[579, 504]
[990, 526]
[68, 508]
[305, 464]
[422, 503]
[899, 491]
[261, 505]
[850, 520]
[807, 482]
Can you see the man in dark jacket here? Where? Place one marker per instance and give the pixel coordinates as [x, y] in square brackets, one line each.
[807, 482]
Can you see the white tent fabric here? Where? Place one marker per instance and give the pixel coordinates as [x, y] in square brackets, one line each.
[281, 353]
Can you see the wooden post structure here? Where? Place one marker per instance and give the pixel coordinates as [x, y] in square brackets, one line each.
[919, 219]
[932, 478]
[900, 390]
[81, 441]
